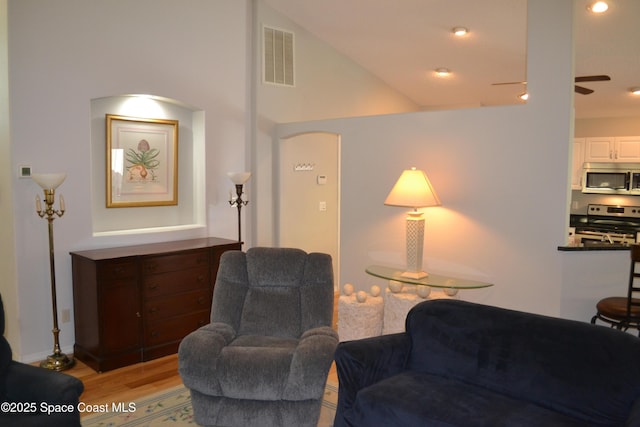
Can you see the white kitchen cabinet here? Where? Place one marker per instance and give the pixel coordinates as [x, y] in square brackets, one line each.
[624, 149]
[628, 149]
[599, 149]
[576, 166]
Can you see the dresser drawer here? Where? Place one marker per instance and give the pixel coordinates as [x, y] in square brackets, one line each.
[175, 305]
[175, 328]
[116, 270]
[175, 262]
[156, 285]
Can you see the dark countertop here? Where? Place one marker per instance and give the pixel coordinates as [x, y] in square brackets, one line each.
[594, 248]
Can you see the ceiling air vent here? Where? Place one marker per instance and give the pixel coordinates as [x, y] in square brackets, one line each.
[278, 57]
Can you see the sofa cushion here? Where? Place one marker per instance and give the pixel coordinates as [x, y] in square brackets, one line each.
[255, 367]
[587, 372]
[418, 399]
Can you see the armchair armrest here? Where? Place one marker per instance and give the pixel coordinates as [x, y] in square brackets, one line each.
[27, 383]
[310, 364]
[364, 362]
[198, 349]
[36, 386]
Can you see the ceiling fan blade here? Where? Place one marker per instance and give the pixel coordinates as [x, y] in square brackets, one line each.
[583, 90]
[599, 78]
[508, 83]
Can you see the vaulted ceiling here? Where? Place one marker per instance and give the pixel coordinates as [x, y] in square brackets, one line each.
[404, 41]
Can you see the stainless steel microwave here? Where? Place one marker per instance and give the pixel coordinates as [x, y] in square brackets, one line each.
[611, 178]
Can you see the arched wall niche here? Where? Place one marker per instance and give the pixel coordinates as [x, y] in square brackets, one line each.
[190, 212]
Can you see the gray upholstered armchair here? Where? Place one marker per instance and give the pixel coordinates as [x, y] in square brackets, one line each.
[264, 358]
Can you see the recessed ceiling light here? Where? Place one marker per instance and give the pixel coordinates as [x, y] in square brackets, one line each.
[635, 90]
[459, 31]
[442, 72]
[598, 6]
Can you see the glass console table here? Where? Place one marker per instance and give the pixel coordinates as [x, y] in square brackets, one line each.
[398, 302]
[432, 280]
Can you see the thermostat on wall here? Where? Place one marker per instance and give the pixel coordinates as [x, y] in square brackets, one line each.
[322, 179]
[24, 171]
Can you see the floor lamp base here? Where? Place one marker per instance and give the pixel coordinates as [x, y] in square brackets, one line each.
[58, 362]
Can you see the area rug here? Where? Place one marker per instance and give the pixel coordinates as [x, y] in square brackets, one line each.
[172, 407]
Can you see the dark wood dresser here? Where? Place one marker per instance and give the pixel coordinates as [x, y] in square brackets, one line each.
[136, 303]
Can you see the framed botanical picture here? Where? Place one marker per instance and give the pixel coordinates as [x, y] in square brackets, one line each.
[142, 162]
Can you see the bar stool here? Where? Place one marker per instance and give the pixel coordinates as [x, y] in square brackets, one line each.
[623, 312]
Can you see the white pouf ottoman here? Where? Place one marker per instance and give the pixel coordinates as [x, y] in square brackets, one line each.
[357, 319]
[396, 307]
[399, 298]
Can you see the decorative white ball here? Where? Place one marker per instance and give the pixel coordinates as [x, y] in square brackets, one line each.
[395, 286]
[375, 291]
[450, 291]
[348, 289]
[361, 296]
[423, 291]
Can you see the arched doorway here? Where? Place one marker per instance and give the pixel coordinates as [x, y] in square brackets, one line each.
[308, 209]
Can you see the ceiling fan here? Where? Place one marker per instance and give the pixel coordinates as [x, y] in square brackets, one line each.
[578, 89]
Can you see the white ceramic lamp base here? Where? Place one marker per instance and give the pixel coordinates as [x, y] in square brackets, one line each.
[415, 241]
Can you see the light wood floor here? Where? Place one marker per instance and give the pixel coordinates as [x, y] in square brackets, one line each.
[133, 382]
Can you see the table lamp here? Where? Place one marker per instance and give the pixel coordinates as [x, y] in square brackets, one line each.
[413, 190]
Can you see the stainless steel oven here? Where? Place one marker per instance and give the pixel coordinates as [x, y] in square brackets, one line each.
[607, 225]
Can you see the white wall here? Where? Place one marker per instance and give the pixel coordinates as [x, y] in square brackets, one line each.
[328, 85]
[65, 53]
[501, 173]
[608, 126]
[8, 288]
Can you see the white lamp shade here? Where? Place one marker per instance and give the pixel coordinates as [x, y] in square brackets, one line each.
[239, 178]
[49, 181]
[413, 190]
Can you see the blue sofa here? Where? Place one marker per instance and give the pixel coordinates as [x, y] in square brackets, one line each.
[25, 390]
[465, 364]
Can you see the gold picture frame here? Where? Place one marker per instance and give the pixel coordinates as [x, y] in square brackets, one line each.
[142, 162]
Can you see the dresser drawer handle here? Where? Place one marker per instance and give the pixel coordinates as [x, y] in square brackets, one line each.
[155, 334]
[153, 309]
[201, 301]
[200, 278]
[153, 287]
[138, 314]
[153, 266]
